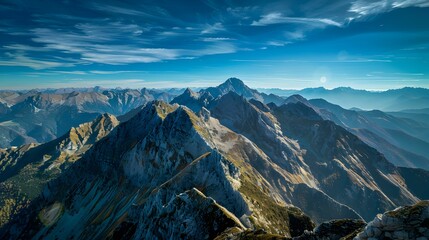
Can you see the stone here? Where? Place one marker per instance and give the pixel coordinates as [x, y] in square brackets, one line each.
[377, 222]
[400, 235]
[388, 234]
[369, 231]
[377, 232]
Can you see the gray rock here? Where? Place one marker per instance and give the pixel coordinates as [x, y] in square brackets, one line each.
[408, 222]
[400, 235]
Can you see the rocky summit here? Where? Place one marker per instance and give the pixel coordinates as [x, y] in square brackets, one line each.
[218, 163]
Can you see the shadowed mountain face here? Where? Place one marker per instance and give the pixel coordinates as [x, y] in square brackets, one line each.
[403, 141]
[221, 163]
[39, 117]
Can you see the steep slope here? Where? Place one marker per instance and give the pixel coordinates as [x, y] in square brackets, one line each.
[4, 108]
[25, 170]
[13, 135]
[418, 115]
[394, 154]
[408, 126]
[396, 138]
[313, 165]
[344, 164]
[417, 181]
[286, 170]
[163, 165]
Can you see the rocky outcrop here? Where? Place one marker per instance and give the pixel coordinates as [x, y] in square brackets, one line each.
[334, 230]
[342, 229]
[409, 222]
[188, 215]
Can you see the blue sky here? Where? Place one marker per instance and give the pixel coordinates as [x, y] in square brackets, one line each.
[285, 44]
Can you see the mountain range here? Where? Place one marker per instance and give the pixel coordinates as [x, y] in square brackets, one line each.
[226, 162]
[41, 116]
[407, 98]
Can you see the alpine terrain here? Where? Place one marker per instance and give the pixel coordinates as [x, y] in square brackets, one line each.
[225, 162]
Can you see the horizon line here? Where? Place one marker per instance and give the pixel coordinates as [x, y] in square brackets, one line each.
[204, 87]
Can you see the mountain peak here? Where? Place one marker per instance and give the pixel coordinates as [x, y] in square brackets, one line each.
[297, 98]
[90, 132]
[234, 81]
[162, 108]
[190, 93]
[234, 84]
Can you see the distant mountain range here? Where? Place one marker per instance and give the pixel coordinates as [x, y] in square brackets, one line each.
[390, 100]
[38, 117]
[404, 141]
[41, 115]
[226, 162]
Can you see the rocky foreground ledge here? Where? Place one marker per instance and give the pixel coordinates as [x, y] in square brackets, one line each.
[409, 222]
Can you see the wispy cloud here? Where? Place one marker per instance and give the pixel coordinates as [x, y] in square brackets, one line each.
[363, 8]
[277, 43]
[147, 11]
[95, 43]
[110, 30]
[210, 29]
[20, 59]
[350, 60]
[295, 35]
[278, 18]
[216, 39]
[117, 55]
[116, 9]
[411, 3]
[81, 82]
[113, 72]
[367, 7]
[135, 83]
[70, 72]
[24, 48]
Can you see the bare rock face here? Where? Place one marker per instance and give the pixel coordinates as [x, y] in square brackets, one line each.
[409, 222]
[188, 215]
